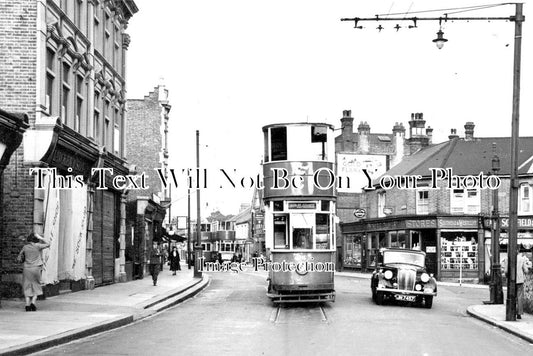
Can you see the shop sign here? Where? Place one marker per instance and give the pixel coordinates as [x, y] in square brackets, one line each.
[388, 211]
[522, 223]
[421, 224]
[457, 223]
[359, 213]
[386, 225]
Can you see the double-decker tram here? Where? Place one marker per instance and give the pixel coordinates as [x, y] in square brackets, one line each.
[299, 197]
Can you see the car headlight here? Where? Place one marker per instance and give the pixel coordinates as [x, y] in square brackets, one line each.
[418, 287]
[424, 277]
[387, 274]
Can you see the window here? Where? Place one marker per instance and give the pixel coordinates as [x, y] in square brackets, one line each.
[105, 138]
[319, 135]
[278, 143]
[116, 134]
[280, 231]
[50, 77]
[302, 238]
[381, 204]
[525, 199]
[422, 202]
[65, 94]
[322, 231]
[80, 117]
[465, 201]
[96, 123]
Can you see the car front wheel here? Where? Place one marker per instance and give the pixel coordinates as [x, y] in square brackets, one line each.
[428, 301]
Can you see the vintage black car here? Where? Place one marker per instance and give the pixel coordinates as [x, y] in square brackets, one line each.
[401, 275]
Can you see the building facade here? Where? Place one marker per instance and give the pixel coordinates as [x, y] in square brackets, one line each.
[65, 68]
[449, 213]
[147, 146]
[373, 153]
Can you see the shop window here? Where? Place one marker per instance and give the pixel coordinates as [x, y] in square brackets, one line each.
[352, 251]
[278, 140]
[525, 199]
[322, 231]
[278, 205]
[415, 240]
[465, 201]
[381, 204]
[324, 205]
[383, 240]
[281, 238]
[422, 202]
[206, 247]
[459, 252]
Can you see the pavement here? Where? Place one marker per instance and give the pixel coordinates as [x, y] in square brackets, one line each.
[67, 317]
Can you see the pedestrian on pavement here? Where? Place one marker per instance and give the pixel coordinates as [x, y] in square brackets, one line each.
[33, 264]
[523, 265]
[174, 260]
[155, 261]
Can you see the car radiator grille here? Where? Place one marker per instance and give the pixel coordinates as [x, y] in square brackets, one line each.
[406, 279]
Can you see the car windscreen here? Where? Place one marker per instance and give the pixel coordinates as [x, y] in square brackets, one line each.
[411, 258]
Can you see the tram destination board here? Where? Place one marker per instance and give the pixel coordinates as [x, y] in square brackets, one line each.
[308, 205]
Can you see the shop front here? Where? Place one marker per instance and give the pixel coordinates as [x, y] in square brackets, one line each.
[450, 243]
[524, 240]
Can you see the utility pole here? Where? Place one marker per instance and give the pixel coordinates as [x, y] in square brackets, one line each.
[189, 242]
[198, 247]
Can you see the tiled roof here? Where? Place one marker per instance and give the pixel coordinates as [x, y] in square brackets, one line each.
[467, 157]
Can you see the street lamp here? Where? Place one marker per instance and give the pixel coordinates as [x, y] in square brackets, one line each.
[440, 40]
[518, 19]
[496, 292]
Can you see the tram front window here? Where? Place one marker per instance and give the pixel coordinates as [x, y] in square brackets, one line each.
[302, 238]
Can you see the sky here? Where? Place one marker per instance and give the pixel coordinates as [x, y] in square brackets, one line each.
[234, 66]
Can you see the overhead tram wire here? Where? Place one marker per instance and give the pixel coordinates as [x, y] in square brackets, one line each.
[467, 8]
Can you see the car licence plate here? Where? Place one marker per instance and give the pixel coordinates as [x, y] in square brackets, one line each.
[407, 298]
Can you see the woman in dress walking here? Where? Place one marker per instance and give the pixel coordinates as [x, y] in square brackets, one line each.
[33, 264]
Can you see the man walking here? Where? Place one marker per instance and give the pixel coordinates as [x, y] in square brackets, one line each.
[522, 267]
[155, 261]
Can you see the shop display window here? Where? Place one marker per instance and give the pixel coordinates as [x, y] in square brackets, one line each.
[459, 252]
[352, 252]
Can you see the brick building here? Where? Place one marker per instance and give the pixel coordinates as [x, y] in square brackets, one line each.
[452, 224]
[64, 65]
[376, 153]
[147, 147]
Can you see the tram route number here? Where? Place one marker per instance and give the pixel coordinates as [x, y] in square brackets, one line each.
[407, 298]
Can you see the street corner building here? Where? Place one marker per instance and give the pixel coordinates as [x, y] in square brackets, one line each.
[452, 224]
[63, 65]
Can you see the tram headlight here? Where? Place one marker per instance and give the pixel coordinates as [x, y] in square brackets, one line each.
[387, 274]
[424, 277]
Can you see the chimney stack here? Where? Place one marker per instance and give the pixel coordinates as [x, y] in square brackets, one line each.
[453, 134]
[429, 134]
[347, 130]
[364, 131]
[469, 131]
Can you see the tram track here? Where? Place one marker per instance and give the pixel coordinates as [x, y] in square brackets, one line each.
[283, 314]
